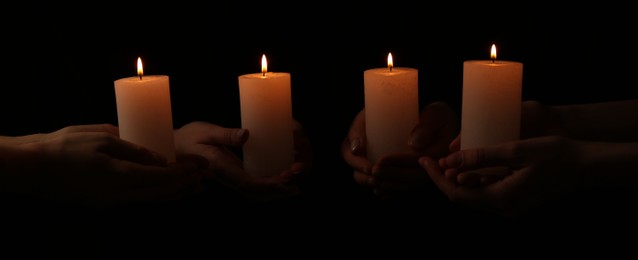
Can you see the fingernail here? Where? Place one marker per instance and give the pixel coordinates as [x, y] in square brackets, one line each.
[414, 142]
[241, 134]
[354, 145]
[442, 163]
[424, 162]
[366, 170]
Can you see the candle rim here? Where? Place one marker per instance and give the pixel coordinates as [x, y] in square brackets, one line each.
[145, 78]
[495, 62]
[269, 74]
[394, 71]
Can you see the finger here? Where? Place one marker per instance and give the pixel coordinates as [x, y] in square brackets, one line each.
[421, 136]
[431, 120]
[362, 178]
[436, 174]
[127, 151]
[359, 163]
[108, 128]
[455, 145]
[455, 193]
[498, 155]
[357, 134]
[217, 135]
[437, 149]
[296, 172]
[451, 174]
[478, 177]
[232, 175]
[92, 128]
[468, 179]
[399, 168]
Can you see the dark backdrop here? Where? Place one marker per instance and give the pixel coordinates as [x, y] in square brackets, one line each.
[59, 71]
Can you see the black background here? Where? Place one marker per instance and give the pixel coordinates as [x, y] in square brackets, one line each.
[60, 63]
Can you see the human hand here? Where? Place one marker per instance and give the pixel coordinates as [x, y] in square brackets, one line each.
[438, 126]
[540, 169]
[538, 119]
[215, 143]
[397, 173]
[91, 166]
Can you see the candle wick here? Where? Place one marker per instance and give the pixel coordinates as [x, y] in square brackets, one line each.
[493, 60]
[140, 76]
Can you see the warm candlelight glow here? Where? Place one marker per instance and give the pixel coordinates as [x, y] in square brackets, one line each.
[491, 108]
[266, 112]
[144, 112]
[140, 70]
[493, 53]
[392, 108]
[264, 65]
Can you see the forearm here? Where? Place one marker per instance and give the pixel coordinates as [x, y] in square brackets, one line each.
[611, 164]
[18, 140]
[607, 122]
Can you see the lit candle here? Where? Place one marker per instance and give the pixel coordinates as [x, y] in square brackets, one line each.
[144, 112]
[491, 108]
[391, 108]
[266, 112]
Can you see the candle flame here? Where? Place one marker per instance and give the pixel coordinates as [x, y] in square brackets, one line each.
[140, 70]
[493, 53]
[390, 63]
[264, 65]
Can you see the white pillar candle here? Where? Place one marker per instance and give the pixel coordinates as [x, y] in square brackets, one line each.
[144, 112]
[491, 105]
[391, 108]
[266, 112]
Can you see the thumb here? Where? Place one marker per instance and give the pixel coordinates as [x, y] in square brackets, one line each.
[469, 159]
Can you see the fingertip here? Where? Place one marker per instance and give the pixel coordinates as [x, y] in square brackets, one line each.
[361, 178]
[242, 135]
[355, 145]
[442, 163]
[455, 145]
[453, 160]
[366, 170]
[424, 162]
[417, 140]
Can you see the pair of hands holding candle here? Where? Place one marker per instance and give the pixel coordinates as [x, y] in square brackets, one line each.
[89, 165]
[563, 149]
[216, 143]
